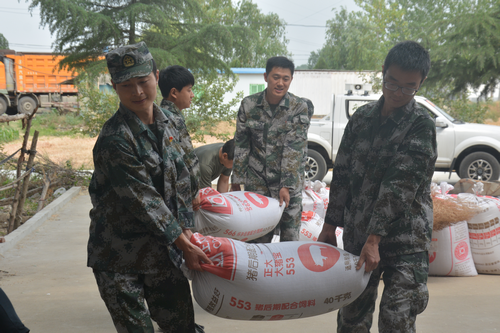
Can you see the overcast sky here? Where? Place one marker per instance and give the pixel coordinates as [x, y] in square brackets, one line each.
[24, 33]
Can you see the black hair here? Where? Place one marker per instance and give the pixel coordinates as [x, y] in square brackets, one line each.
[281, 62]
[174, 77]
[228, 148]
[410, 56]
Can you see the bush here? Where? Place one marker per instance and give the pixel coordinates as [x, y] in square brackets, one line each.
[206, 111]
[96, 106]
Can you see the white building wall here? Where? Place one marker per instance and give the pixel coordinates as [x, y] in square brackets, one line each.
[317, 85]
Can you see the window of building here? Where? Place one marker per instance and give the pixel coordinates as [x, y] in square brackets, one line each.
[255, 88]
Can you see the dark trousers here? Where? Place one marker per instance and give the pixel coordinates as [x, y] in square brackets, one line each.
[168, 298]
[405, 296]
[9, 321]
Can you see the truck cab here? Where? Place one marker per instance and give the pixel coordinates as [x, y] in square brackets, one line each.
[470, 150]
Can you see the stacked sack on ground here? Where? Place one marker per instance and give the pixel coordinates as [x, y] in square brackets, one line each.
[259, 281]
[466, 233]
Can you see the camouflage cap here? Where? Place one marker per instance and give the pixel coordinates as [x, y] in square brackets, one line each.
[129, 61]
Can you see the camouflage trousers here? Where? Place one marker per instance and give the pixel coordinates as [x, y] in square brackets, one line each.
[289, 225]
[168, 298]
[405, 296]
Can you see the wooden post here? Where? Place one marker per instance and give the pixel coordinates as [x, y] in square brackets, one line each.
[26, 181]
[20, 161]
[46, 186]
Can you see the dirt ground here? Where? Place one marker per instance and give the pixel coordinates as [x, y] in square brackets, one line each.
[78, 151]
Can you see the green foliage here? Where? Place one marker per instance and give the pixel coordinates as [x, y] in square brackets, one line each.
[208, 108]
[264, 36]
[468, 51]
[96, 106]
[4, 43]
[360, 40]
[8, 133]
[458, 106]
[463, 109]
[55, 124]
[206, 111]
[198, 34]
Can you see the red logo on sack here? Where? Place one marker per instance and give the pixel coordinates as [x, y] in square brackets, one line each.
[213, 201]
[222, 253]
[432, 257]
[307, 216]
[257, 199]
[461, 251]
[318, 257]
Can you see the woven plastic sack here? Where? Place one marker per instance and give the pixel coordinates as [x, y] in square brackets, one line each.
[450, 252]
[277, 281]
[239, 215]
[484, 234]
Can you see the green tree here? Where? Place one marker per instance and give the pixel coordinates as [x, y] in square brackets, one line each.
[4, 43]
[351, 44]
[467, 53]
[198, 34]
[208, 109]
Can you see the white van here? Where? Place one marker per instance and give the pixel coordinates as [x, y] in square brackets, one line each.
[470, 150]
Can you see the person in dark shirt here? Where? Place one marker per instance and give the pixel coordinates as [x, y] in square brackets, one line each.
[216, 160]
[380, 195]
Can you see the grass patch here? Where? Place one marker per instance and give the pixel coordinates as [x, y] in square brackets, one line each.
[54, 124]
[47, 124]
[9, 132]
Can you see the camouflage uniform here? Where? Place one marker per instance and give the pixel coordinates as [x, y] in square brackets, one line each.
[381, 185]
[142, 200]
[269, 153]
[173, 113]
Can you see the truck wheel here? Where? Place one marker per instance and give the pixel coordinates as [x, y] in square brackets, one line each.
[315, 168]
[3, 105]
[479, 166]
[27, 105]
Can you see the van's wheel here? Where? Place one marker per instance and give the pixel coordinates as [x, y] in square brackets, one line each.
[27, 105]
[480, 166]
[315, 168]
[3, 105]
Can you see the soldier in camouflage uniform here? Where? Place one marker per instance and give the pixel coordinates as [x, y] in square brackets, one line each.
[176, 83]
[142, 211]
[270, 142]
[380, 195]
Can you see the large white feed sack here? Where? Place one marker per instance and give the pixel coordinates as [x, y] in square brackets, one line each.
[311, 225]
[275, 281]
[450, 253]
[240, 215]
[484, 235]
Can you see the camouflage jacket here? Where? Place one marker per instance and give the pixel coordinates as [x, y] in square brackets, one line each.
[381, 180]
[269, 149]
[176, 116]
[141, 197]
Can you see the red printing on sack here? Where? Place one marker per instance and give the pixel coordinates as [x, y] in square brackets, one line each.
[222, 253]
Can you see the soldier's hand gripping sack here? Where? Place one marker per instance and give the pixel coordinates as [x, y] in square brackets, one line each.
[239, 215]
[275, 281]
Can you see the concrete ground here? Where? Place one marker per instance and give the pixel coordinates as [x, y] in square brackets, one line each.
[46, 278]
